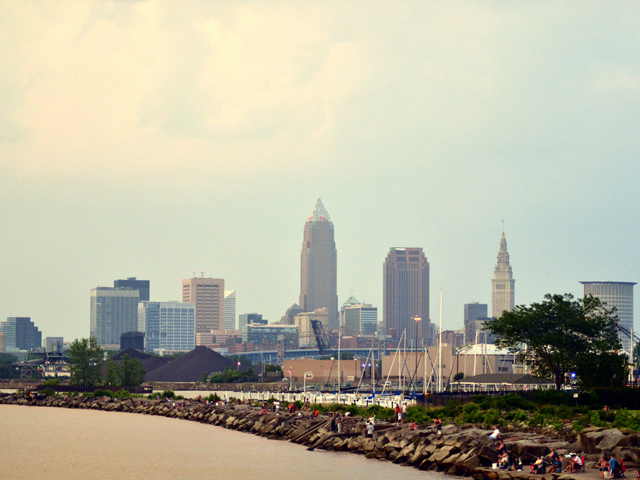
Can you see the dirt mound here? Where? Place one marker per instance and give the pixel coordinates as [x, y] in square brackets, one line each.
[132, 354]
[190, 367]
[149, 362]
[152, 363]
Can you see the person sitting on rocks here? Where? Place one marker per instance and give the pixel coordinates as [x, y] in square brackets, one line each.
[496, 434]
[603, 467]
[501, 449]
[538, 466]
[555, 462]
[504, 461]
[413, 426]
[575, 463]
[516, 465]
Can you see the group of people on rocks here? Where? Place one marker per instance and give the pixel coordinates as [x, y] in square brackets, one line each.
[552, 462]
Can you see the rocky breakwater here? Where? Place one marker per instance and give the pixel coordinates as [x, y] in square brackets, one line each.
[465, 450]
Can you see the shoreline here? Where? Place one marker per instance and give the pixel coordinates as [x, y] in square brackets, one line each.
[460, 451]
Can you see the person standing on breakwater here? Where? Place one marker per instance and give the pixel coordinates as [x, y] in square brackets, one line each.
[334, 427]
[437, 423]
[370, 429]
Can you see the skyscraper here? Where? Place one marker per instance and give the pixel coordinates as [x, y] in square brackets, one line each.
[502, 285]
[230, 309]
[114, 311]
[406, 293]
[360, 319]
[131, 282]
[207, 294]
[167, 326]
[475, 314]
[619, 295]
[318, 265]
[20, 333]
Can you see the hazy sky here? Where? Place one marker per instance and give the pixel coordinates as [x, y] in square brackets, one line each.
[155, 139]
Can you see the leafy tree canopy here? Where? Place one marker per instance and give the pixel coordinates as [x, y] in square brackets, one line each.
[130, 372]
[87, 359]
[563, 335]
[6, 370]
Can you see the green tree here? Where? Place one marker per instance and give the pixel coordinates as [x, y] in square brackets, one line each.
[87, 359]
[563, 335]
[6, 370]
[129, 373]
[112, 373]
[132, 371]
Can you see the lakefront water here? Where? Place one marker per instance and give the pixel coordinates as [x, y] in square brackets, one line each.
[52, 443]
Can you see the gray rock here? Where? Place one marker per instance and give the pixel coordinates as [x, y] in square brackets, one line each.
[609, 440]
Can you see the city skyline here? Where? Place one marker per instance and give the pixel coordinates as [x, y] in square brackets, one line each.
[417, 124]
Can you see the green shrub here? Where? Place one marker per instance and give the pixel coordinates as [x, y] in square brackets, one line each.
[471, 408]
[577, 426]
[122, 393]
[492, 417]
[51, 382]
[452, 410]
[537, 421]
[167, 394]
[517, 402]
[48, 392]
[101, 393]
[625, 419]
[520, 417]
[419, 414]
[380, 412]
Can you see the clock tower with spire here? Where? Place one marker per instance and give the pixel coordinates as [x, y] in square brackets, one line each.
[502, 284]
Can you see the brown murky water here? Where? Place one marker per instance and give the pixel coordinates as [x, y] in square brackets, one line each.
[59, 443]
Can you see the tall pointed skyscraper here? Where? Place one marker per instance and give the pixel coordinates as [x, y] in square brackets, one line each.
[318, 265]
[502, 285]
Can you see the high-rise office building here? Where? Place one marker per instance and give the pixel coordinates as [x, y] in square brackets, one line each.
[114, 311]
[503, 295]
[207, 294]
[20, 333]
[251, 318]
[475, 314]
[318, 265]
[619, 295]
[289, 317]
[360, 319]
[406, 294]
[53, 344]
[132, 283]
[169, 326]
[230, 309]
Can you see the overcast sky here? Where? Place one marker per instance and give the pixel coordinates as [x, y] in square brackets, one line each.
[155, 139]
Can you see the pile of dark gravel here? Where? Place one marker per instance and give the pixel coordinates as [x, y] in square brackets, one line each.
[191, 366]
[149, 362]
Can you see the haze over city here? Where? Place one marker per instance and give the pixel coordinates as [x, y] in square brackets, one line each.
[159, 140]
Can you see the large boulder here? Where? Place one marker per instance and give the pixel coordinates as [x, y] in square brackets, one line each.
[527, 449]
[590, 437]
[610, 440]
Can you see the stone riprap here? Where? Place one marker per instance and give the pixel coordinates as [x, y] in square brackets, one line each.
[463, 451]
